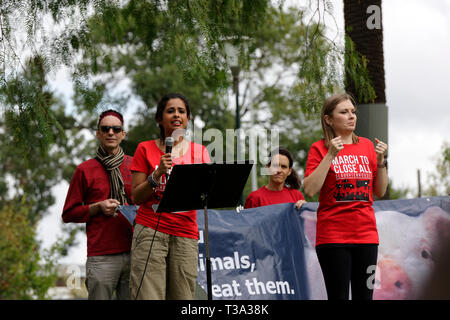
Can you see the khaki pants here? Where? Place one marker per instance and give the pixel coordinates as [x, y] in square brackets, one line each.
[171, 270]
[106, 274]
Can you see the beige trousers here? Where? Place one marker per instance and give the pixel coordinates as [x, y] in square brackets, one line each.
[108, 274]
[171, 270]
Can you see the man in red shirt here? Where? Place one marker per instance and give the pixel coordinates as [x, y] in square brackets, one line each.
[97, 187]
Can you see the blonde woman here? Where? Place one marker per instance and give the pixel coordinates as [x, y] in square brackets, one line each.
[347, 170]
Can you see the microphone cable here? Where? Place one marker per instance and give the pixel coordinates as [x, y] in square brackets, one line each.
[169, 141]
[148, 257]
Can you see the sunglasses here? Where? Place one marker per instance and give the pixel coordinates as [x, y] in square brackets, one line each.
[116, 129]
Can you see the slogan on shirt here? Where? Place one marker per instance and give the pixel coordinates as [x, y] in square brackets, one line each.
[351, 167]
[348, 167]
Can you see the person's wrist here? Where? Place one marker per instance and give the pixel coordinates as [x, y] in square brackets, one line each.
[151, 180]
[94, 208]
[382, 164]
[331, 156]
[157, 175]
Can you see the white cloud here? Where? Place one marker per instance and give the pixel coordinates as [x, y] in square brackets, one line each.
[416, 49]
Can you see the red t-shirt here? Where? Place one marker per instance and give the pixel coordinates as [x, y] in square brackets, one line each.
[90, 184]
[146, 159]
[266, 197]
[345, 213]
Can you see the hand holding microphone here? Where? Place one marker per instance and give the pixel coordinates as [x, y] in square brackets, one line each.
[169, 143]
[165, 162]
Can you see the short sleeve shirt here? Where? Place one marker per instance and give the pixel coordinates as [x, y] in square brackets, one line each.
[345, 213]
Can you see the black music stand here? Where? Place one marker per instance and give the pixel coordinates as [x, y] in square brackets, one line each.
[205, 185]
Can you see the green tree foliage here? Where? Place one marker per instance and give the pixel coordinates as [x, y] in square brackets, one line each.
[364, 63]
[288, 69]
[28, 166]
[195, 28]
[29, 102]
[439, 181]
[400, 192]
[25, 272]
[156, 71]
[358, 74]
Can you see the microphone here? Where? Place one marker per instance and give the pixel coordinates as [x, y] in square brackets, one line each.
[169, 143]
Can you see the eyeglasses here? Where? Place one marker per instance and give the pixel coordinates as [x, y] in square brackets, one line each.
[116, 129]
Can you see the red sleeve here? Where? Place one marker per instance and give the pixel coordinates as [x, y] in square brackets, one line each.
[74, 208]
[140, 162]
[251, 201]
[314, 159]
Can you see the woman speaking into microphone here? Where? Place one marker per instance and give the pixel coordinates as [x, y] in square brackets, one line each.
[164, 250]
[346, 170]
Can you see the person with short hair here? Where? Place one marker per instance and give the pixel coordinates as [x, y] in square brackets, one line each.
[98, 186]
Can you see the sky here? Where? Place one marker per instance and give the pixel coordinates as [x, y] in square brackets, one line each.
[417, 72]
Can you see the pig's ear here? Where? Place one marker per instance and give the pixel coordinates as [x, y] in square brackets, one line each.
[437, 222]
